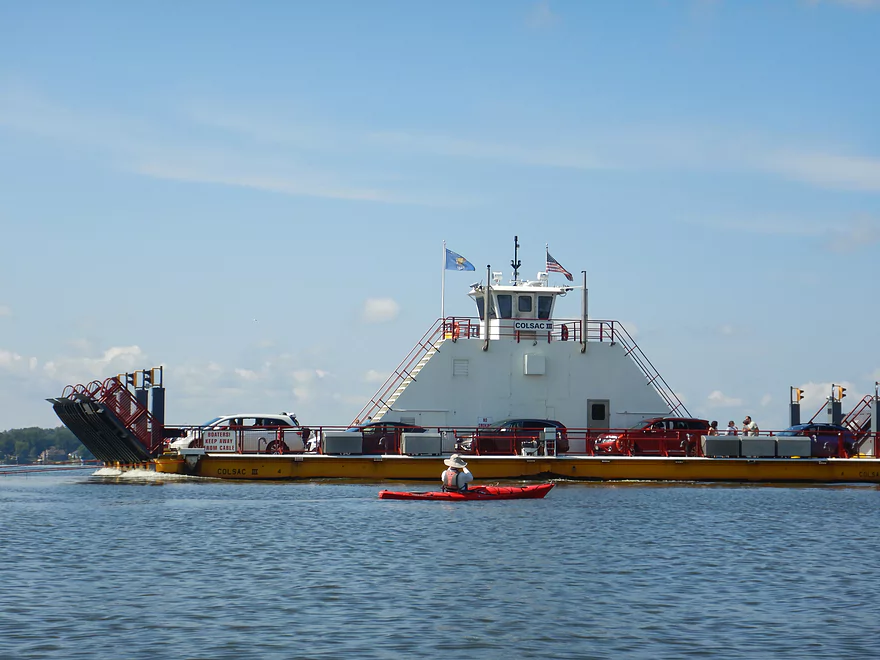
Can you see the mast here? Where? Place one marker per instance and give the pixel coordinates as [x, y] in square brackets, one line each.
[516, 263]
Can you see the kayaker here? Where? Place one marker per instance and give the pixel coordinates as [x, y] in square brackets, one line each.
[456, 477]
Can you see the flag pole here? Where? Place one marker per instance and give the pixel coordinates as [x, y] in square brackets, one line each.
[443, 286]
[585, 317]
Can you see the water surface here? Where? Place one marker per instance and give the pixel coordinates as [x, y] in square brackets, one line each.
[190, 568]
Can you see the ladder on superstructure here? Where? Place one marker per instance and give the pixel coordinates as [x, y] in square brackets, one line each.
[615, 331]
[404, 374]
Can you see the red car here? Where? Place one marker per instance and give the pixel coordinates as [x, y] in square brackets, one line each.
[658, 436]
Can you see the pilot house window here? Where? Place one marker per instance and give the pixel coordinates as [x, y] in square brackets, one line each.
[524, 304]
[545, 303]
[481, 308]
[505, 306]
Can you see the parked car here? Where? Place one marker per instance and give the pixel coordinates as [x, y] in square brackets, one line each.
[657, 435]
[824, 438]
[268, 433]
[384, 437]
[508, 436]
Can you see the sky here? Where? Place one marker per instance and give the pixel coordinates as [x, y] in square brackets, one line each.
[255, 195]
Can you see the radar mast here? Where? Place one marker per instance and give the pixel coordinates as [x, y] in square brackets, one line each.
[515, 263]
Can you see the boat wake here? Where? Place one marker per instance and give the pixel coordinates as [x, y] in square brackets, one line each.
[140, 475]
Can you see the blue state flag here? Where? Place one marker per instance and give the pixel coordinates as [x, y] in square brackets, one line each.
[455, 261]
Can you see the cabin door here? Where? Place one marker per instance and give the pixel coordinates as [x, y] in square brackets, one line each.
[598, 414]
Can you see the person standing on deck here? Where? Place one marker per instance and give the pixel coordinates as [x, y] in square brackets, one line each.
[749, 427]
[456, 477]
[731, 428]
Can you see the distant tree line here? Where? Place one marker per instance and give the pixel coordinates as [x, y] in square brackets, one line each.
[26, 445]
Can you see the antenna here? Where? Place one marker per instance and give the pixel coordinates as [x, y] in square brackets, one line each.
[516, 263]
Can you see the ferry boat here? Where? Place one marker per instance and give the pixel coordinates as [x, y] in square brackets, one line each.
[577, 379]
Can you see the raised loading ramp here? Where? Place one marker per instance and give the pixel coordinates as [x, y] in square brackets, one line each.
[110, 422]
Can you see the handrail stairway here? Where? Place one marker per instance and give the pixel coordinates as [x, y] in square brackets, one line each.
[617, 333]
[449, 328]
[405, 373]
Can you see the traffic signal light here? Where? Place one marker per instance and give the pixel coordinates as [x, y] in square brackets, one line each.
[839, 392]
[798, 395]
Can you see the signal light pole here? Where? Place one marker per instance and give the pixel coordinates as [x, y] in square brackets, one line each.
[794, 406]
[835, 414]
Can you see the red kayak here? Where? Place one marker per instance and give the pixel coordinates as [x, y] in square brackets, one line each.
[476, 493]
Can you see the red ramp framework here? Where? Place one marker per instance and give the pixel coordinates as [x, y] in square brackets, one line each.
[113, 422]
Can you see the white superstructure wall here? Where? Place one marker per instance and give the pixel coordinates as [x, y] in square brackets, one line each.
[462, 385]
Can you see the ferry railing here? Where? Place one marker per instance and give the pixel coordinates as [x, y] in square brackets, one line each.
[479, 441]
[491, 442]
[268, 439]
[623, 442]
[858, 420]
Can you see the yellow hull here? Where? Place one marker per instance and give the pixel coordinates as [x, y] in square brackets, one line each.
[620, 468]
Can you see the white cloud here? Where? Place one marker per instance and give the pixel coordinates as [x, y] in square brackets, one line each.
[837, 234]
[279, 155]
[170, 152]
[114, 360]
[542, 16]
[858, 4]
[303, 375]
[262, 177]
[766, 400]
[380, 310]
[8, 358]
[828, 170]
[5, 311]
[128, 353]
[717, 399]
[247, 374]
[373, 376]
[862, 232]
[82, 345]
[630, 327]
[522, 154]
[309, 375]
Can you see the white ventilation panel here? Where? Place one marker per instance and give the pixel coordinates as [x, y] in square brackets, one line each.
[535, 365]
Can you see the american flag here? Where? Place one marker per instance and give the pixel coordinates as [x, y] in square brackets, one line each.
[554, 266]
